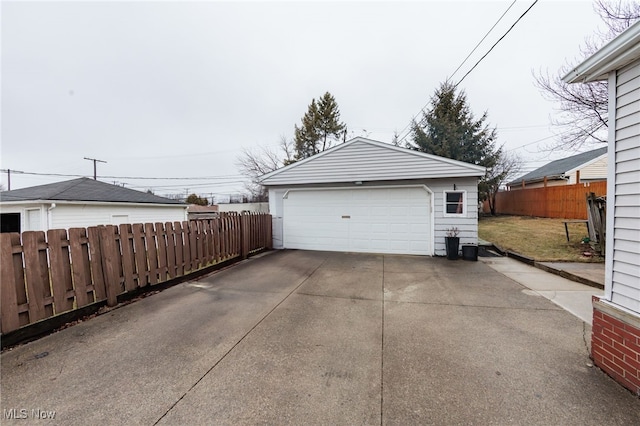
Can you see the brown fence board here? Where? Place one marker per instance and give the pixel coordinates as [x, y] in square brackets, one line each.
[110, 262]
[193, 245]
[140, 249]
[37, 274]
[128, 257]
[152, 252]
[60, 266]
[186, 246]
[161, 239]
[95, 251]
[565, 201]
[81, 267]
[9, 300]
[179, 239]
[208, 242]
[215, 227]
[171, 250]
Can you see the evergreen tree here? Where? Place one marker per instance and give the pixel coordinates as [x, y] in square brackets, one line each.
[329, 126]
[450, 130]
[306, 136]
[320, 126]
[195, 199]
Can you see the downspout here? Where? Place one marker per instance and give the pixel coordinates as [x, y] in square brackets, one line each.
[50, 216]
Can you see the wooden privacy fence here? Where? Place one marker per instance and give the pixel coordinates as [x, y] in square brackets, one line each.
[41, 278]
[565, 202]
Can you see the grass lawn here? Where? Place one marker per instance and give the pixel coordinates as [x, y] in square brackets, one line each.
[542, 239]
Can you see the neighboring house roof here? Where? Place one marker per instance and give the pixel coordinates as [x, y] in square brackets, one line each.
[83, 189]
[557, 169]
[362, 159]
[619, 52]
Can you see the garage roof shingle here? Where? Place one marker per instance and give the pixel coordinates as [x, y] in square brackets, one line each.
[84, 189]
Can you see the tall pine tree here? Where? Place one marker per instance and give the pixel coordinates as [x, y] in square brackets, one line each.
[450, 130]
[319, 128]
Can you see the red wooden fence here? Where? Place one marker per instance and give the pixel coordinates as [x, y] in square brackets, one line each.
[42, 277]
[565, 202]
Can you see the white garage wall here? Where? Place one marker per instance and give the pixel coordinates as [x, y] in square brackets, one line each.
[65, 216]
[468, 225]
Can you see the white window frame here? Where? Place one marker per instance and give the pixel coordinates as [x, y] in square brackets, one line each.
[464, 203]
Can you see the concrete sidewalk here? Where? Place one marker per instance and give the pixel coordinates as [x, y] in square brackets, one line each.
[572, 296]
[299, 337]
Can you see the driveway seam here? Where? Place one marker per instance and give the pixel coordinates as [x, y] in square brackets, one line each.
[215, 364]
[326, 296]
[478, 306]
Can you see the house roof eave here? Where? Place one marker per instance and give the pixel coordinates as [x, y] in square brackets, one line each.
[620, 51]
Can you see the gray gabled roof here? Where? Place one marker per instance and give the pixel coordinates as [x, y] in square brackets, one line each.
[83, 189]
[362, 159]
[557, 169]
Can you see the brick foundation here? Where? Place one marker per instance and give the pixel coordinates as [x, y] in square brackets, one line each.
[615, 344]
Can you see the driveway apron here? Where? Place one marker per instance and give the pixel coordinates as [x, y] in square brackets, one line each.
[297, 337]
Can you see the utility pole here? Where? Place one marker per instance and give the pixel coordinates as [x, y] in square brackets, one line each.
[8, 172]
[95, 176]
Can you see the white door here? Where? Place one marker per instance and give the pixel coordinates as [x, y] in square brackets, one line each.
[33, 221]
[376, 220]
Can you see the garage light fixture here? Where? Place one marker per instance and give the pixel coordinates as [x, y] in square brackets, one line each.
[358, 182]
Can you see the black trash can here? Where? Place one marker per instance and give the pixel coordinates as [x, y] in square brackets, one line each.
[470, 252]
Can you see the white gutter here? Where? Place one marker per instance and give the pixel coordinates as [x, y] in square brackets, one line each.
[620, 51]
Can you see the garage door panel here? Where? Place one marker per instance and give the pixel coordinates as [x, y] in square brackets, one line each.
[380, 220]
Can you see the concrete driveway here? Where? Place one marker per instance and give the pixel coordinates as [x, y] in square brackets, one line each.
[296, 337]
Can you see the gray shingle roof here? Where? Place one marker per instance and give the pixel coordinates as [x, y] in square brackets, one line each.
[84, 189]
[558, 168]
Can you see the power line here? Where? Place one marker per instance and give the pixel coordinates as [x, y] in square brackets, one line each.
[483, 38]
[402, 137]
[126, 177]
[496, 43]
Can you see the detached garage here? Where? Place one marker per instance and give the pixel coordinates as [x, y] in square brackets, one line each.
[372, 197]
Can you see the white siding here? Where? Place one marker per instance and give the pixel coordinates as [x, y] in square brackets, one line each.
[364, 160]
[592, 172]
[625, 214]
[66, 216]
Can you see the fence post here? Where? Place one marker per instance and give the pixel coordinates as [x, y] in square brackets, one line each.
[269, 220]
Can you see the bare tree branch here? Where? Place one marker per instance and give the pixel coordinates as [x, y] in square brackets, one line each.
[582, 116]
[253, 163]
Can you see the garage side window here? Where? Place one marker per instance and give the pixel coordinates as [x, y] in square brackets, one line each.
[455, 203]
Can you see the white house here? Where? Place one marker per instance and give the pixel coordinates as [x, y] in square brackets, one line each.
[616, 320]
[369, 196]
[590, 166]
[82, 203]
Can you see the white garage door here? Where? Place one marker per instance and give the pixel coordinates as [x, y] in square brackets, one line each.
[376, 220]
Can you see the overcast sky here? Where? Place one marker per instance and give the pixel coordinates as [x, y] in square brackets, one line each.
[175, 89]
